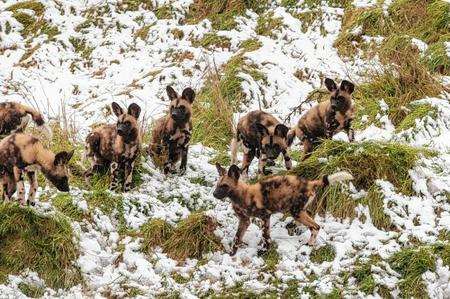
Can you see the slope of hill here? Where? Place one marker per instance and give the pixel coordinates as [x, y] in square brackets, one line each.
[386, 234]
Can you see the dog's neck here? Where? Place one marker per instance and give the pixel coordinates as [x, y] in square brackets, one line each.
[239, 194]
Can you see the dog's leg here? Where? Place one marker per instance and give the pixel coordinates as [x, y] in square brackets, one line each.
[349, 130]
[128, 185]
[11, 188]
[266, 234]
[307, 149]
[33, 187]
[18, 178]
[114, 176]
[244, 222]
[262, 165]
[287, 160]
[249, 154]
[306, 220]
[184, 156]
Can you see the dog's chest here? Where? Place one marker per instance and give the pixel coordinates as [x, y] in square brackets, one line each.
[126, 151]
[179, 136]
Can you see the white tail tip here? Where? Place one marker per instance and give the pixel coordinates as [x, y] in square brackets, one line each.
[340, 176]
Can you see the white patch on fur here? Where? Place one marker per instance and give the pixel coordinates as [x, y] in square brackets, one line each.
[340, 176]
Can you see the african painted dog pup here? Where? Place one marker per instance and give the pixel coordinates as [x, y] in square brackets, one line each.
[14, 117]
[171, 134]
[115, 147]
[22, 154]
[327, 118]
[277, 194]
[263, 136]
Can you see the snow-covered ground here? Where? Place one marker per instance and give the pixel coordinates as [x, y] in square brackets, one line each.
[125, 69]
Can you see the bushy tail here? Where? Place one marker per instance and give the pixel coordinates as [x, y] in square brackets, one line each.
[38, 119]
[336, 177]
[331, 179]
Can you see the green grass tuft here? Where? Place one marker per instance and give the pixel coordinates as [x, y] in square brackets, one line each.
[63, 203]
[398, 85]
[388, 161]
[374, 200]
[212, 40]
[192, 238]
[325, 253]
[109, 204]
[271, 258]
[267, 25]
[251, 44]
[423, 19]
[222, 13]
[33, 25]
[81, 47]
[133, 5]
[164, 12]
[154, 233]
[363, 275]
[418, 111]
[436, 57]
[411, 263]
[31, 290]
[40, 243]
[443, 251]
[35, 6]
[367, 162]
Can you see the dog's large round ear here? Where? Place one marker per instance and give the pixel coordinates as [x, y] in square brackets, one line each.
[134, 110]
[220, 169]
[171, 93]
[261, 129]
[188, 94]
[118, 111]
[330, 85]
[347, 86]
[290, 137]
[234, 172]
[63, 157]
[281, 131]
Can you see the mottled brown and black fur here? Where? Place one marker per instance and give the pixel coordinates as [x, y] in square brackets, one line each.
[277, 194]
[116, 147]
[327, 118]
[263, 136]
[14, 117]
[171, 134]
[22, 154]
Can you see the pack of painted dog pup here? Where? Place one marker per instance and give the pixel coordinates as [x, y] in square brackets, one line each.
[114, 148]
